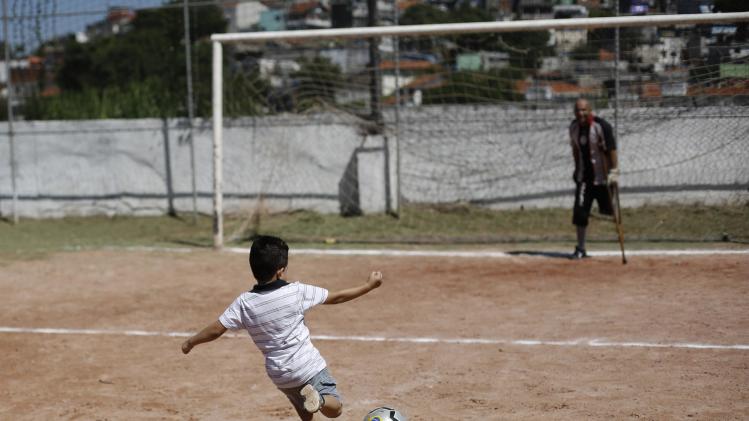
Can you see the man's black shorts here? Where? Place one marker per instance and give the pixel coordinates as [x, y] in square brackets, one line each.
[584, 195]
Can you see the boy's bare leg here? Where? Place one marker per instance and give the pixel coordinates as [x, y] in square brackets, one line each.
[305, 416]
[331, 407]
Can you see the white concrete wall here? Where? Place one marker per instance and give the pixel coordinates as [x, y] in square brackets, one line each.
[505, 158]
[497, 157]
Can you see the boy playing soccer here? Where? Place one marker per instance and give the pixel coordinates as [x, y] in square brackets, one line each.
[272, 312]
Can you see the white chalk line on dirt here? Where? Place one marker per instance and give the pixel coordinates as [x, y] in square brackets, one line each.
[491, 254]
[415, 340]
[441, 253]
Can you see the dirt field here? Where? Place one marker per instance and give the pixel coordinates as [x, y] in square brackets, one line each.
[651, 301]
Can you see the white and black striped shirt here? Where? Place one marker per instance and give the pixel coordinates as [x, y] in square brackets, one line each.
[273, 315]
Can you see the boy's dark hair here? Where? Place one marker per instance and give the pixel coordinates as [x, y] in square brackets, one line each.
[267, 255]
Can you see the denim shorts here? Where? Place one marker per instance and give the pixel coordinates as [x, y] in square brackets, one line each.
[323, 382]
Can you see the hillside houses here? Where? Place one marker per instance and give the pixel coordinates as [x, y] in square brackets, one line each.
[656, 68]
[664, 64]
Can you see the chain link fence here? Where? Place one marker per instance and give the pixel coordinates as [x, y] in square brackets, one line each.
[459, 121]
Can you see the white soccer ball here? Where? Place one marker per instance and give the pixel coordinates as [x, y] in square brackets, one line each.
[385, 413]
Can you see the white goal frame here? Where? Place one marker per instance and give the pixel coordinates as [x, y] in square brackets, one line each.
[218, 40]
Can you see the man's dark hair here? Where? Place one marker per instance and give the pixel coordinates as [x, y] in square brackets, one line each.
[267, 255]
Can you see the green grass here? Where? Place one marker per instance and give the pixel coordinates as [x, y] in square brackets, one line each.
[442, 227]
[472, 225]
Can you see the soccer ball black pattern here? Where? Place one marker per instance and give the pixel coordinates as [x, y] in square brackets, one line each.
[384, 413]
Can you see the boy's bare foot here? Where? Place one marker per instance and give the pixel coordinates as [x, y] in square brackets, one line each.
[312, 400]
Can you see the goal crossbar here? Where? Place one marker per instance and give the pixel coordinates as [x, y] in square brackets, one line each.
[483, 27]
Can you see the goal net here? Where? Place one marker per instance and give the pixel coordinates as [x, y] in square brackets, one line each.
[459, 132]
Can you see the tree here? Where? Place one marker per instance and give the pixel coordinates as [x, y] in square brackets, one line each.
[424, 14]
[245, 94]
[605, 38]
[146, 63]
[315, 82]
[475, 88]
[421, 14]
[478, 42]
[525, 48]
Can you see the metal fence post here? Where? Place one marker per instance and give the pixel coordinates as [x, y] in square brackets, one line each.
[9, 99]
[190, 109]
[616, 77]
[396, 51]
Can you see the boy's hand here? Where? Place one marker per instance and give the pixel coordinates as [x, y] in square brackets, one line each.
[186, 347]
[375, 279]
[348, 294]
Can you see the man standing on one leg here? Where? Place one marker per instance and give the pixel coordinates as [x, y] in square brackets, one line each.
[596, 166]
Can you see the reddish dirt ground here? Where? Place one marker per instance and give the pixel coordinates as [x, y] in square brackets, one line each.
[657, 300]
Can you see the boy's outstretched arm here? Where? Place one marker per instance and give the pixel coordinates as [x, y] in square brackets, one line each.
[209, 333]
[337, 297]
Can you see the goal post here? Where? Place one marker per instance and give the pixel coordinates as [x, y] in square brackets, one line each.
[218, 126]
[417, 32]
